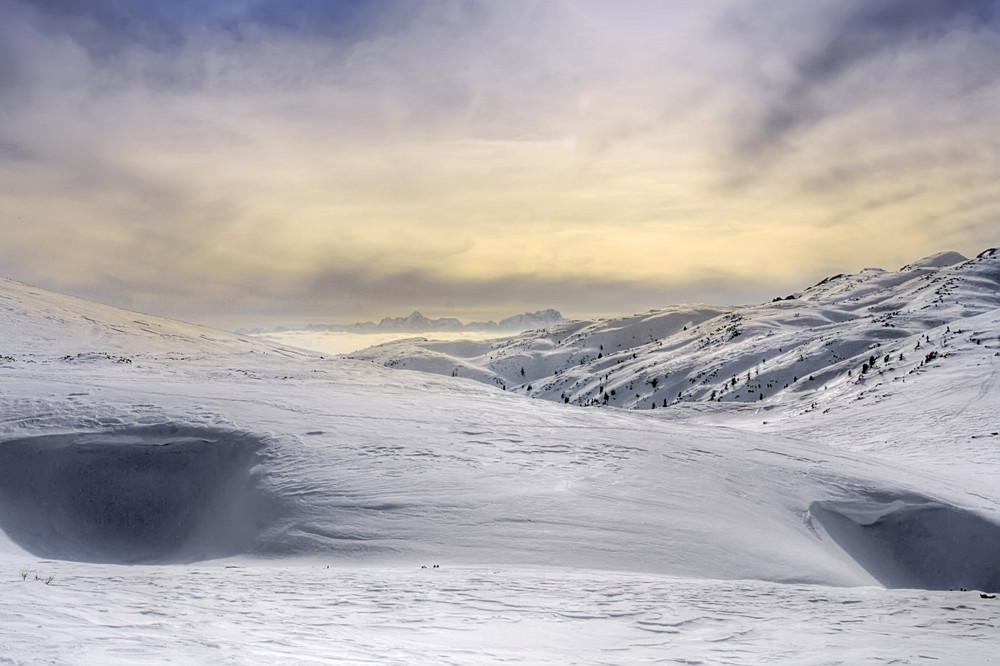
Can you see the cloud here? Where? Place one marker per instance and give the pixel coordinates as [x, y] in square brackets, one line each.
[359, 294]
[833, 39]
[257, 157]
[106, 26]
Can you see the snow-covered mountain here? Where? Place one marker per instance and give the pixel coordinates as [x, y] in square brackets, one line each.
[126, 438]
[837, 341]
[418, 323]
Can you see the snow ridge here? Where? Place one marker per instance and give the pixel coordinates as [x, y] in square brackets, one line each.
[418, 323]
[126, 438]
[850, 333]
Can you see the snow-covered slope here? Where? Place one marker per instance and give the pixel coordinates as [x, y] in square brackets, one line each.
[849, 331]
[126, 438]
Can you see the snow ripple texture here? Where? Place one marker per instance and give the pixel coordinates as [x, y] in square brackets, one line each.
[318, 615]
[749, 530]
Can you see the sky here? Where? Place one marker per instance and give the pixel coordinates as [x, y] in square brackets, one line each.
[254, 162]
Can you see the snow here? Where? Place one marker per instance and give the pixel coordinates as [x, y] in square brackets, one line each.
[283, 505]
[939, 260]
[140, 494]
[344, 342]
[754, 355]
[912, 541]
[295, 614]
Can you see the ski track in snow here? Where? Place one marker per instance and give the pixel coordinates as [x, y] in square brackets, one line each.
[301, 613]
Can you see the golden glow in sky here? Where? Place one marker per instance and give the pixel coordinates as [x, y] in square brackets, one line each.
[240, 163]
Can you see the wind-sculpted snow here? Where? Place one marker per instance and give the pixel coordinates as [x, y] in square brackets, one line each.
[293, 613]
[915, 542]
[124, 438]
[155, 494]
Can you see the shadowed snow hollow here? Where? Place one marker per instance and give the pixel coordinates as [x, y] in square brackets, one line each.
[362, 463]
[154, 494]
[915, 542]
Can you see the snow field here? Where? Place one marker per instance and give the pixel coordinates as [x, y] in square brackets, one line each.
[714, 532]
[297, 612]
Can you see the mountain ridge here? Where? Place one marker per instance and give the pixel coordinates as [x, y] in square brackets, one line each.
[851, 330]
[415, 322]
[189, 444]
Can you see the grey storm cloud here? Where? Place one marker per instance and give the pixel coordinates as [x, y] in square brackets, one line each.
[881, 25]
[841, 36]
[106, 27]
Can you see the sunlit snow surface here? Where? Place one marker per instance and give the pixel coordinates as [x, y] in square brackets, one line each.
[135, 452]
[292, 614]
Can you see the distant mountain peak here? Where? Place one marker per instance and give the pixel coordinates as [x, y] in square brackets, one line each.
[851, 333]
[415, 322]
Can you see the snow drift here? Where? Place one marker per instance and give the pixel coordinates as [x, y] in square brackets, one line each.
[915, 542]
[155, 494]
[127, 438]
